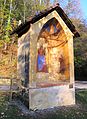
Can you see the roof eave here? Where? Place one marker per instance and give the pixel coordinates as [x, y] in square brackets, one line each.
[23, 28]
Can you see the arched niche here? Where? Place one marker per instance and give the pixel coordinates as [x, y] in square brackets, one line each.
[52, 55]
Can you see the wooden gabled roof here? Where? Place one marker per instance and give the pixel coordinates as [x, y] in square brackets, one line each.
[23, 28]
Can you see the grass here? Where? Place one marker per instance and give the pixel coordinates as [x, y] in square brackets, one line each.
[79, 111]
[9, 111]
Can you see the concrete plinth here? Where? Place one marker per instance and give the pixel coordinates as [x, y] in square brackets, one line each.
[49, 97]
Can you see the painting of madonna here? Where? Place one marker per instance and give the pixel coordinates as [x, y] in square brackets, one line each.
[41, 60]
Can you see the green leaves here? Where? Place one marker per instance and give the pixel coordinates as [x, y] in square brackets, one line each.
[80, 51]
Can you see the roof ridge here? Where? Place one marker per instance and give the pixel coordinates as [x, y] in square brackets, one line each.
[24, 27]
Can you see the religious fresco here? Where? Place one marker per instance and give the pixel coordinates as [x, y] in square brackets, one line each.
[41, 60]
[51, 56]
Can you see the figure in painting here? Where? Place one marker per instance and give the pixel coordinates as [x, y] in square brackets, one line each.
[62, 64]
[41, 61]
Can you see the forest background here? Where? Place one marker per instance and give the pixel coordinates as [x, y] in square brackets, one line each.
[13, 12]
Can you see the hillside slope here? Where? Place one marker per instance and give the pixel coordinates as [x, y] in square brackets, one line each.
[8, 61]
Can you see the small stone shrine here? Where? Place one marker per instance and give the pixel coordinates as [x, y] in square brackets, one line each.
[46, 58]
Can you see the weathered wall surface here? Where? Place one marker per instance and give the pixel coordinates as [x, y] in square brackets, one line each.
[23, 58]
[51, 97]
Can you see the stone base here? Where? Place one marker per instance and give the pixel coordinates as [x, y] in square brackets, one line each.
[49, 97]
